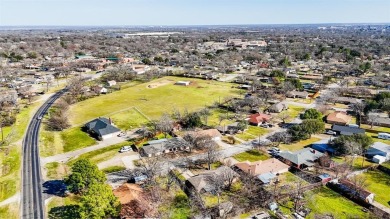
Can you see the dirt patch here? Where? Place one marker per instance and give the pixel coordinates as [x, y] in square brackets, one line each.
[159, 83]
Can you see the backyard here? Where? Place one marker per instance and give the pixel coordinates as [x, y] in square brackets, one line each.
[298, 145]
[378, 183]
[251, 133]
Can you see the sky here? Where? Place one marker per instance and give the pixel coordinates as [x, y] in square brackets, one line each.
[190, 12]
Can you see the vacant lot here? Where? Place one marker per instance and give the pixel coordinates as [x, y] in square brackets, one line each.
[379, 184]
[252, 132]
[152, 102]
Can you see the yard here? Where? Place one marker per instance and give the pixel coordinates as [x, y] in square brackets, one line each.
[326, 201]
[358, 163]
[373, 132]
[213, 119]
[298, 145]
[379, 184]
[251, 155]
[152, 99]
[294, 111]
[52, 143]
[252, 132]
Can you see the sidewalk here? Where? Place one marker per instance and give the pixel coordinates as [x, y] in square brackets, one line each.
[71, 154]
[12, 199]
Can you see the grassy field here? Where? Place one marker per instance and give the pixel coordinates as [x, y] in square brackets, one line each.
[152, 101]
[129, 119]
[113, 169]
[326, 201]
[10, 211]
[213, 119]
[56, 201]
[298, 145]
[379, 184]
[55, 170]
[251, 155]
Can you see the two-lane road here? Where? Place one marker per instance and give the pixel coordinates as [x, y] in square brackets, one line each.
[32, 205]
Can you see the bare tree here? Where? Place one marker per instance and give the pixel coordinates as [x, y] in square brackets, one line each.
[284, 116]
[165, 124]
[280, 137]
[372, 119]
[212, 154]
[358, 108]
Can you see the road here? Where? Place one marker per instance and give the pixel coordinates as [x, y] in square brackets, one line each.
[32, 205]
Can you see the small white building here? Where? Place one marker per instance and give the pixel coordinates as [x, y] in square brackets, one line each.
[379, 148]
[379, 159]
[111, 83]
[183, 83]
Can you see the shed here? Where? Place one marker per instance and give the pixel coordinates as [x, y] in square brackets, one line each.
[379, 159]
[183, 83]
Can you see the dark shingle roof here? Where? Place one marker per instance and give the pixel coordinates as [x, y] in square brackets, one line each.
[304, 156]
[353, 130]
[101, 126]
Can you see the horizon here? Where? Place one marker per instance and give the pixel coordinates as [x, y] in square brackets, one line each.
[191, 12]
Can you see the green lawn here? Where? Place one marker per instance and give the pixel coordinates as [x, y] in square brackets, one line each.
[50, 143]
[251, 155]
[294, 111]
[251, 133]
[129, 119]
[213, 119]
[298, 145]
[153, 101]
[326, 201]
[373, 132]
[113, 169]
[357, 164]
[379, 184]
[75, 138]
[10, 211]
[101, 155]
[386, 164]
[9, 175]
[55, 170]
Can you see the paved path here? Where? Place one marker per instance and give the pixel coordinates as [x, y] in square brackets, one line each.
[121, 159]
[12, 199]
[382, 207]
[72, 154]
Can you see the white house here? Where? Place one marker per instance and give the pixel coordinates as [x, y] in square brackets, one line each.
[379, 148]
[183, 83]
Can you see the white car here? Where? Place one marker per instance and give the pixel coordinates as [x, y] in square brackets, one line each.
[125, 149]
[330, 132]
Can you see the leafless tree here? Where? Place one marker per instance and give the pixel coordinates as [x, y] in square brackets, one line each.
[211, 154]
[165, 124]
[358, 108]
[75, 86]
[280, 137]
[372, 119]
[284, 116]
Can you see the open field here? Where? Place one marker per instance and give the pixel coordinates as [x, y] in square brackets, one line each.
[251, 155]
[379, 184]
[358, 163]
[152, 101]
[10, 211]
[326, 201]
[252, 132]
[213, 119]
[298, 145]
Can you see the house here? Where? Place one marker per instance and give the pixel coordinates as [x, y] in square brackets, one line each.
[163, 146]
[277, 107]
[323, 146]
[99, 89]
[346, 100]
[102, 128]
[302, 158]
[111, 83]
[183, 83]
[347, 130]
[214, 134]
[258, 118]
[324, 178]
[272, 165]
[338, 118]
[231, 128]
[200, 182]
[298, 94]
[379, 149]
[354, 190]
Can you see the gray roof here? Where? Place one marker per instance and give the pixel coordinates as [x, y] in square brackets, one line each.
[158, 146]
[101, 126]
[201, 181]
[353, 130]
[277, 107]
[381, 147]
[304, 156]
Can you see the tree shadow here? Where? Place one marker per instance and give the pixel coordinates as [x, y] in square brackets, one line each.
[55, 187]
[65, 212]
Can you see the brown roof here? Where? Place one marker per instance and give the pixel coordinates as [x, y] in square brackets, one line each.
[127, 192]
[339, 117]
[272, 165]
[213, 133]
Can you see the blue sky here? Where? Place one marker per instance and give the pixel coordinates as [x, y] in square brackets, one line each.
[191, 12]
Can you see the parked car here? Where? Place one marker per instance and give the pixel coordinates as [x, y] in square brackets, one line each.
[330, 132]
[125, 149]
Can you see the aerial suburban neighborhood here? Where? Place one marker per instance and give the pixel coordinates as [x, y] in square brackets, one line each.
[234, 121]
